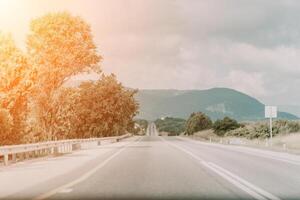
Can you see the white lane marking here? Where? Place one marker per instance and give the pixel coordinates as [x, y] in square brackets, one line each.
[268, 156]
[83, 177]
[252, 190]
[259, 190]
[235, 182]
[66, 190]
[245, 151]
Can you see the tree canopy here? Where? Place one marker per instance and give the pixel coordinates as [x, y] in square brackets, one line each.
[197, 121]
[35, 104]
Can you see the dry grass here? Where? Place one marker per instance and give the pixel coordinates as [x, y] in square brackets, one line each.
[282, 142]
[292, 141]
[206, 135]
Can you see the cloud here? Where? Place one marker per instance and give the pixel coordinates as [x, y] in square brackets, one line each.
[252, 46]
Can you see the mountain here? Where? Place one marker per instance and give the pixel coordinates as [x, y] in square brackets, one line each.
[216, 102]
[294, 109]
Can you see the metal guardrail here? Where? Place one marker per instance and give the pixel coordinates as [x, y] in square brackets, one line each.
[10, 152]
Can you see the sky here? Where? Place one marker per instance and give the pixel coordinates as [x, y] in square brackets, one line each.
[249, 45]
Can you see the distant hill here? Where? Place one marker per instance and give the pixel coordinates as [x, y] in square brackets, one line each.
[294, 109]
[216, 102]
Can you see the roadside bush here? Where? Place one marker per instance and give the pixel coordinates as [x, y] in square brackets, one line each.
[239, 132]
[262, 129]
[197, 122]
[226, 124]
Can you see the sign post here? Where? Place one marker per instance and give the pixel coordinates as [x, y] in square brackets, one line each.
[271, 112]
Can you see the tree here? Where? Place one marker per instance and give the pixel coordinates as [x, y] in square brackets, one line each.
[174, 126]
[140, 126]
[95, 109]
[16, 81]
[35, 105]
[197, 122]
[59, 46]
[6, 125]
[226, 124]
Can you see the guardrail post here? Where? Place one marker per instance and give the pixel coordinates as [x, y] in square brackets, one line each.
[14, 157]
[210, 140]
[5, 159]
[21, 156]
[49, 151]
[76, 146]
[55, 150]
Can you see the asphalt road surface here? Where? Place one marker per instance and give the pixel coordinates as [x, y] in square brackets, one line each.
[154, 167]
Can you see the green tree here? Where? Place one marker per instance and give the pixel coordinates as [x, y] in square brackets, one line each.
[197, 121]
[96, 109]
[174, 126]
[226, 124]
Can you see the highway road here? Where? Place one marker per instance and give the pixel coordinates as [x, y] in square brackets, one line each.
[154, 167]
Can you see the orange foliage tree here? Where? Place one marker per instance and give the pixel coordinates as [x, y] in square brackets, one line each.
[16, 81]
[59, 47]
[95, 109]
[35, 105]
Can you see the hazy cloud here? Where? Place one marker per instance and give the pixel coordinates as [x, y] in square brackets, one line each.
[249, 45]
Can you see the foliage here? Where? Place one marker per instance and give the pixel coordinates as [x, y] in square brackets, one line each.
[95, 109]
[174, 126]
[142, 123]
[59, 46]
[140, 126]
[6, 124]
[34, 103]
[197, 122]
[15, 86]
[262, 129]
[226, 124]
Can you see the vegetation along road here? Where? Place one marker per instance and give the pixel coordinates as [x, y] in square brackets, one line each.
[152, 166]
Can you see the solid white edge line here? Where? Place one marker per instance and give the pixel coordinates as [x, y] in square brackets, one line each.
[259, 190]
[84, 176]
[244, 185]
[245, 151]
[246, 189]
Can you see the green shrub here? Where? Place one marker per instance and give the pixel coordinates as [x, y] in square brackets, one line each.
[262, 129]
[239, 132]
[197, 122]
[174, 126]
[293, 126]
[226, 124]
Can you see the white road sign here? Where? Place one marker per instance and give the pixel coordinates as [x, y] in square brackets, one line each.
[270, 112]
